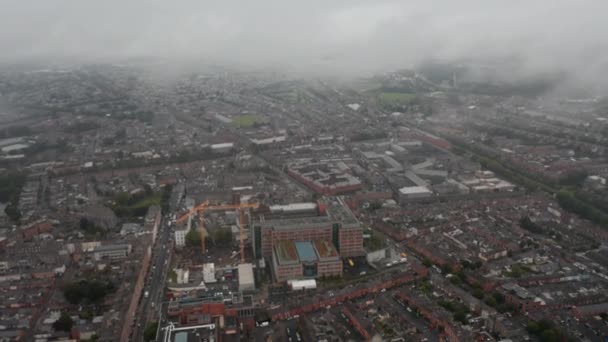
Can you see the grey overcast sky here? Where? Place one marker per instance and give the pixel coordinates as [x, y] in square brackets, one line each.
[353, 34]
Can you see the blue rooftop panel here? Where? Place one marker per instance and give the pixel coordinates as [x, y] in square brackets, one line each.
[306, 251]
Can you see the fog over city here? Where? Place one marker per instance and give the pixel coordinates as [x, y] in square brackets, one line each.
[303, 171]
[347, 36]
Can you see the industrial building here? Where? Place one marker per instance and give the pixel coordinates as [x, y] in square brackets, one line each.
[294, 208]
[410, 193]
[300, 242]
[112, 251]
[298, 285]
[328, 178]
[212, 309]
[222, 148]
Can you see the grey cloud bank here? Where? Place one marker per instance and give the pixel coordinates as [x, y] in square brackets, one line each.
[334, 35]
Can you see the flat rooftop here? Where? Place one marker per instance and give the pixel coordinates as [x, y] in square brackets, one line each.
[286, 252]
[297, 223]
[409, 190]
[306, 251]
[337, 212]
[192, 335]
[325, 249]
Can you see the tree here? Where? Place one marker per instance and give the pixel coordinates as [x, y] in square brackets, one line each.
[533, 327]
[150, 331]
[223, 237]
[87, 291]
[446, 269]
[84, 223]
[121, 134]
[172, 276]
[89, 227]
[193, 238]
[375, 206]
[461, 316]
[529, 225]
[491, 301]
[93, 338]
[478, 293]
[64, 323]
[546, 331]
[165, 198]
[455, 280]
[148, 190]
[426, 287]
[549, 335]
[574, 178]
[499, 297]
[10, 186]
[12, 212]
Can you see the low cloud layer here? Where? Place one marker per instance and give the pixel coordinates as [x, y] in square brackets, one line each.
[347, 35]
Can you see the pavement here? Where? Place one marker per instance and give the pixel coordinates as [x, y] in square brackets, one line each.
[150, 307]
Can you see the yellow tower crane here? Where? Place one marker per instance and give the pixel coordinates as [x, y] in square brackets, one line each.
[203, 207]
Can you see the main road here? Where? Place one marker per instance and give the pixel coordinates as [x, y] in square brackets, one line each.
[155, 283]
[162, 251]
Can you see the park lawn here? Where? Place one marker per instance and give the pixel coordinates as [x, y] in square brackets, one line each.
[247, 120]
[154, 199]
[139, 208]
[396, 98]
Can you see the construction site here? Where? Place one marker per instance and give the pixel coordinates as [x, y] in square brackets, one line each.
[228, 256]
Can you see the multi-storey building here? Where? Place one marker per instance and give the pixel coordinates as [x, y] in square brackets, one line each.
[118, 251]
[325, 178]
[305, 259]
[283, 241]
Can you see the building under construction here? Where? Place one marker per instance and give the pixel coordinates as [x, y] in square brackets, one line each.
[307, 244]
[213, 309]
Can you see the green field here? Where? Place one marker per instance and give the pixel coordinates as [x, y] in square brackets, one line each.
[396, 98]
[245, 120]
[124, 205]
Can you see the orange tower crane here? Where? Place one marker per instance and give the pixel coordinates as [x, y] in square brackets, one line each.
[203, 207]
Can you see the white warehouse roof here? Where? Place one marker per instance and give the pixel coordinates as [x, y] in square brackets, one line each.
[302, 284]
[271, 140]
[294, 207]
[223, 145]
[409, 190]
[246, 281]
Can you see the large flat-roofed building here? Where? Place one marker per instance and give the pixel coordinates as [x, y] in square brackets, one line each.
[285, 262]
[112, 252]
[246, 279]
[336, 224]
[410, 193]
[203, 309]
[346, 229]
[309, 208]
[269, 233]
[305, 259]
[329, 178]
[328, 263]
